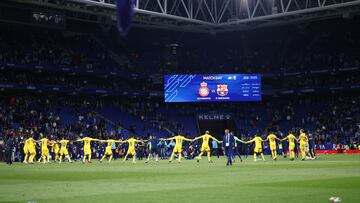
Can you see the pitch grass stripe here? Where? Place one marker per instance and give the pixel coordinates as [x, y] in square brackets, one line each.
[270, 181]
[90, 188]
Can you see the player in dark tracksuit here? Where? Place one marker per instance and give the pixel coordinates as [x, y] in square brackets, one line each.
[10, 142]
[312, 146]
[152, 144]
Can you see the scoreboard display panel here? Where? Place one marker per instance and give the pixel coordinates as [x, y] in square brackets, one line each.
[212, 87]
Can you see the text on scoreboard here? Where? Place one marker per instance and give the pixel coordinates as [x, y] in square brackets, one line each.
[212, 87]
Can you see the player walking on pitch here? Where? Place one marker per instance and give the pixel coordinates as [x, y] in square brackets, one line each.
[131, 149]
[45, 155]
[29, 150]
[153, 148]
[205, 145]
[63, 150]
[291, 139]
[108, 149]
[272, 142]
[303, 139]
[258, 146]
[87, 147]
[236, 147]
[178, 146]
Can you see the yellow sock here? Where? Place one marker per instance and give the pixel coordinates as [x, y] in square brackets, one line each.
[254, 156]
[89, 157]
[84, 158]
[273, 154]
[303, 155]
[134, 157]
[208, 155]
[200, 155]
[262, 156]
[103, 157]
[68, 157]
[111, 156]
[31, 158]
[292, 156]
[172, 156]
[179, 156]
[26, 157]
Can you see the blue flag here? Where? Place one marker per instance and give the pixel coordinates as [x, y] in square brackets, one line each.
[125, 11]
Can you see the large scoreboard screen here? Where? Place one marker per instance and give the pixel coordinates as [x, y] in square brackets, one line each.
[212, 87]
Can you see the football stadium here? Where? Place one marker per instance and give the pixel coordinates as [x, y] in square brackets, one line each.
[179, 101]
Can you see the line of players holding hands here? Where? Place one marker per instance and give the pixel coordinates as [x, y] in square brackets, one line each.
[62, 151]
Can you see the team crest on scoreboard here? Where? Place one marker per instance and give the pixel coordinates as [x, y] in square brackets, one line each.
[204, 91]
[222, 90]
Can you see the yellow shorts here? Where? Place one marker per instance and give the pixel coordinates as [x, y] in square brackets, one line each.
[32, 151]
[131, 151]
[87, 151]
[108, 152]
[45, 151]
[205, 148]
[64, 151]
[302, 146]
[273, 147]
[177, 149]
[56, 151]
[26, 150]
[258, 150]
[291, 147]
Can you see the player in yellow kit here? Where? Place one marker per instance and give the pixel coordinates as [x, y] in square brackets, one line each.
[205, 145]
[131, 148]
[32, 150]
[272, 142]
[303, 139]
[45, 155]
[258, 146]
[178, 146]
[291, 139]
[87, 147]
[55, 148]
[108, 151]
[29, 150]
[26, 151]
[63, 150]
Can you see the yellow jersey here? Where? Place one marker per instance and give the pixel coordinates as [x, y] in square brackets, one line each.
[291, 139]
[258, 141]
[206, 138]
[30, 143]
[131, 142]
[63, 143]
[44, 143]
[87, 142]
[272, 139]
[178, 140]
[110, 143]
[303, 138]
[54, 146]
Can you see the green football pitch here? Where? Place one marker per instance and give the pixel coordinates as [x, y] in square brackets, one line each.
[249, 181]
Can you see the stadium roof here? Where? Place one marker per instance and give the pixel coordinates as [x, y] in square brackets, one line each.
[214, 15]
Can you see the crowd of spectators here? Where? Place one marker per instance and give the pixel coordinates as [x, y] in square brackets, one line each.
[329, 118]
[54, 48]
